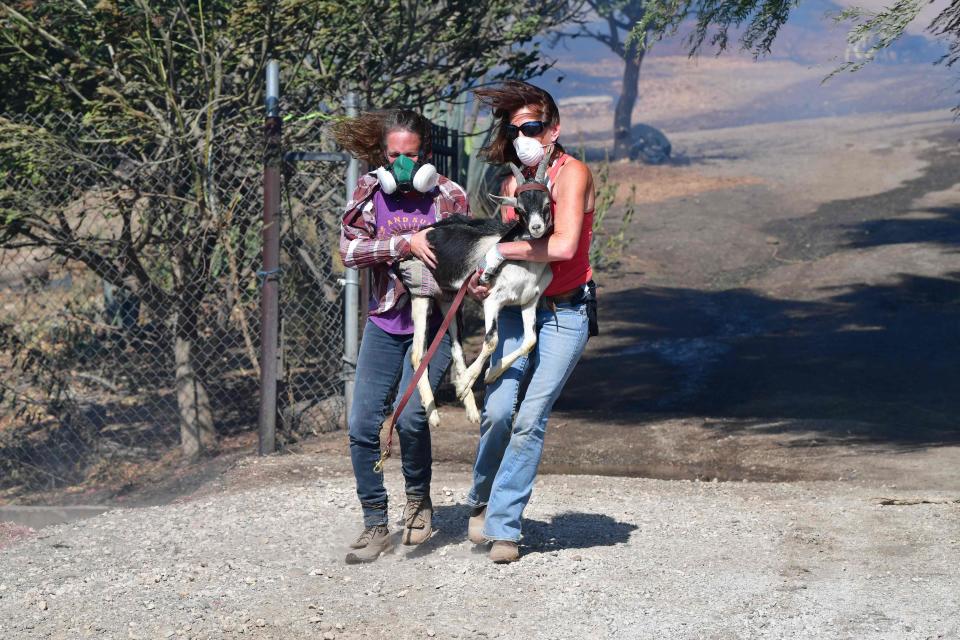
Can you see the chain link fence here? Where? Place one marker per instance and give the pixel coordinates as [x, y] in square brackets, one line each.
[129, 307]
[310, 386]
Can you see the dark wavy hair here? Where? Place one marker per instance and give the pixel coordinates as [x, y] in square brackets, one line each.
[504, 99]
[365, 137]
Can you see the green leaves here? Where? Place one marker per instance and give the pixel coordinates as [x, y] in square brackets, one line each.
[713, 19]
[875, 31]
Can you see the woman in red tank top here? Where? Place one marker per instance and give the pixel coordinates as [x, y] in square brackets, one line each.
[571, 274]
[513, 425]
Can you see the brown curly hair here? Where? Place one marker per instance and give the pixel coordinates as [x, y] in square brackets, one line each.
[504, 100]
[365, 137]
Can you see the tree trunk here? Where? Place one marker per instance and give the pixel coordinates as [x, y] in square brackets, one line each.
[197, 434]
[623, 114]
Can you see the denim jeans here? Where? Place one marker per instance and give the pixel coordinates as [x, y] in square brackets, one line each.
[383, 369]
[514, 419]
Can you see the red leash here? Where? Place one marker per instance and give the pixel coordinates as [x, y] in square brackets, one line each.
[437, 339]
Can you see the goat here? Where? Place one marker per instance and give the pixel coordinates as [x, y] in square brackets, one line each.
[459, 244]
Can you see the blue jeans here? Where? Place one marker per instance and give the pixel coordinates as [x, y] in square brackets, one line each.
[513, 425]
[383, 369]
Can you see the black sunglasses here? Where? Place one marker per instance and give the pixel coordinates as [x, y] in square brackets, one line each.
[529, 129]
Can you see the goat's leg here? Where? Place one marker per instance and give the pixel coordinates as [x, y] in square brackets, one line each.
[420, 310]
[491, 309]
[460, 366]
[529, 314]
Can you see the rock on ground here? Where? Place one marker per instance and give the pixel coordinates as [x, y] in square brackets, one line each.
[650, 145]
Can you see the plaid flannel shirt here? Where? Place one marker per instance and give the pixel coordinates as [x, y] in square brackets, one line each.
[359, 246]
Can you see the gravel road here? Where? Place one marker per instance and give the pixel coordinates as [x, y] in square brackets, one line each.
[603, 557]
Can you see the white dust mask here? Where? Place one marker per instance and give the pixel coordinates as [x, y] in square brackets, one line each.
[529, 151]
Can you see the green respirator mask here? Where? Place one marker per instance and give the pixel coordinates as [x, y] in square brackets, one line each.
[406, 175]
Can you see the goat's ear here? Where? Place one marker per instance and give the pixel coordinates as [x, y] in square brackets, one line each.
[504, 200]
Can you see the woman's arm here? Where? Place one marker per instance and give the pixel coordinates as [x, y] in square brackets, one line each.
[572, 196]
[363, 251]
[358, 249]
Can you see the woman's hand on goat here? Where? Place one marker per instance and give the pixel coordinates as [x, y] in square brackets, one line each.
[476, 290]
[421, 249]
[490, 265]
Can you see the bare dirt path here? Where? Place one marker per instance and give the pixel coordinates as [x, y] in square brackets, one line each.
[259, 556]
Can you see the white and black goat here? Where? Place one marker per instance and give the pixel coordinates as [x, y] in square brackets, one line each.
[459, 244]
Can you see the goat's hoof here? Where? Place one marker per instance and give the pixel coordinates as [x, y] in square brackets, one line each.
[434, 419]
[492, 375]
[473, 415]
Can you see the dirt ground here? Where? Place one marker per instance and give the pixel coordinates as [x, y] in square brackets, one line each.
[257, 552]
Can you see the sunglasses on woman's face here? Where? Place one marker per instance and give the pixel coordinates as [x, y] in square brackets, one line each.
[529, 129]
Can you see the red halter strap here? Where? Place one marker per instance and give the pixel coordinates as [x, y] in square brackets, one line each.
[532, 186]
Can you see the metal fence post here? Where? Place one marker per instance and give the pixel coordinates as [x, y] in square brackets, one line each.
[269, 275]
[455, 155]
[351, 287]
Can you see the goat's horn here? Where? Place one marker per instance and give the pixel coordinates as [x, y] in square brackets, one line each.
[517, 173]
[542, 169]
[504, 200]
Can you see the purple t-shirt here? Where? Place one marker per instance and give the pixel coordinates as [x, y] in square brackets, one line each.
[399, 214]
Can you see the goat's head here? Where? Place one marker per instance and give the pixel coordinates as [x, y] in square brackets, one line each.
[531, 200]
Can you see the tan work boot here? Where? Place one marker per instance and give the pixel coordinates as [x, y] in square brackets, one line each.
[363, 539]
[475, 526]
[504, 551]
[417, 520]
[373, 542]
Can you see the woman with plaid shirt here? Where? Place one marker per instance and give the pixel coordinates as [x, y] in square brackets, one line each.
[384, 224]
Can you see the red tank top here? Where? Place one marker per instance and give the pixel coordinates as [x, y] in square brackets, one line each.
[576, 271]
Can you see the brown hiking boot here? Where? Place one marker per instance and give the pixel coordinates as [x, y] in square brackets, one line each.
[373, 542]
[504, 551]
[475, 526]
[417, 520]
[363, 538]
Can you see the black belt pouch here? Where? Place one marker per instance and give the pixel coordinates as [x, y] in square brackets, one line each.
[588, 296]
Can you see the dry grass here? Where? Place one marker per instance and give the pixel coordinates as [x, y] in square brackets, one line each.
[659, 183]
[676, 87]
